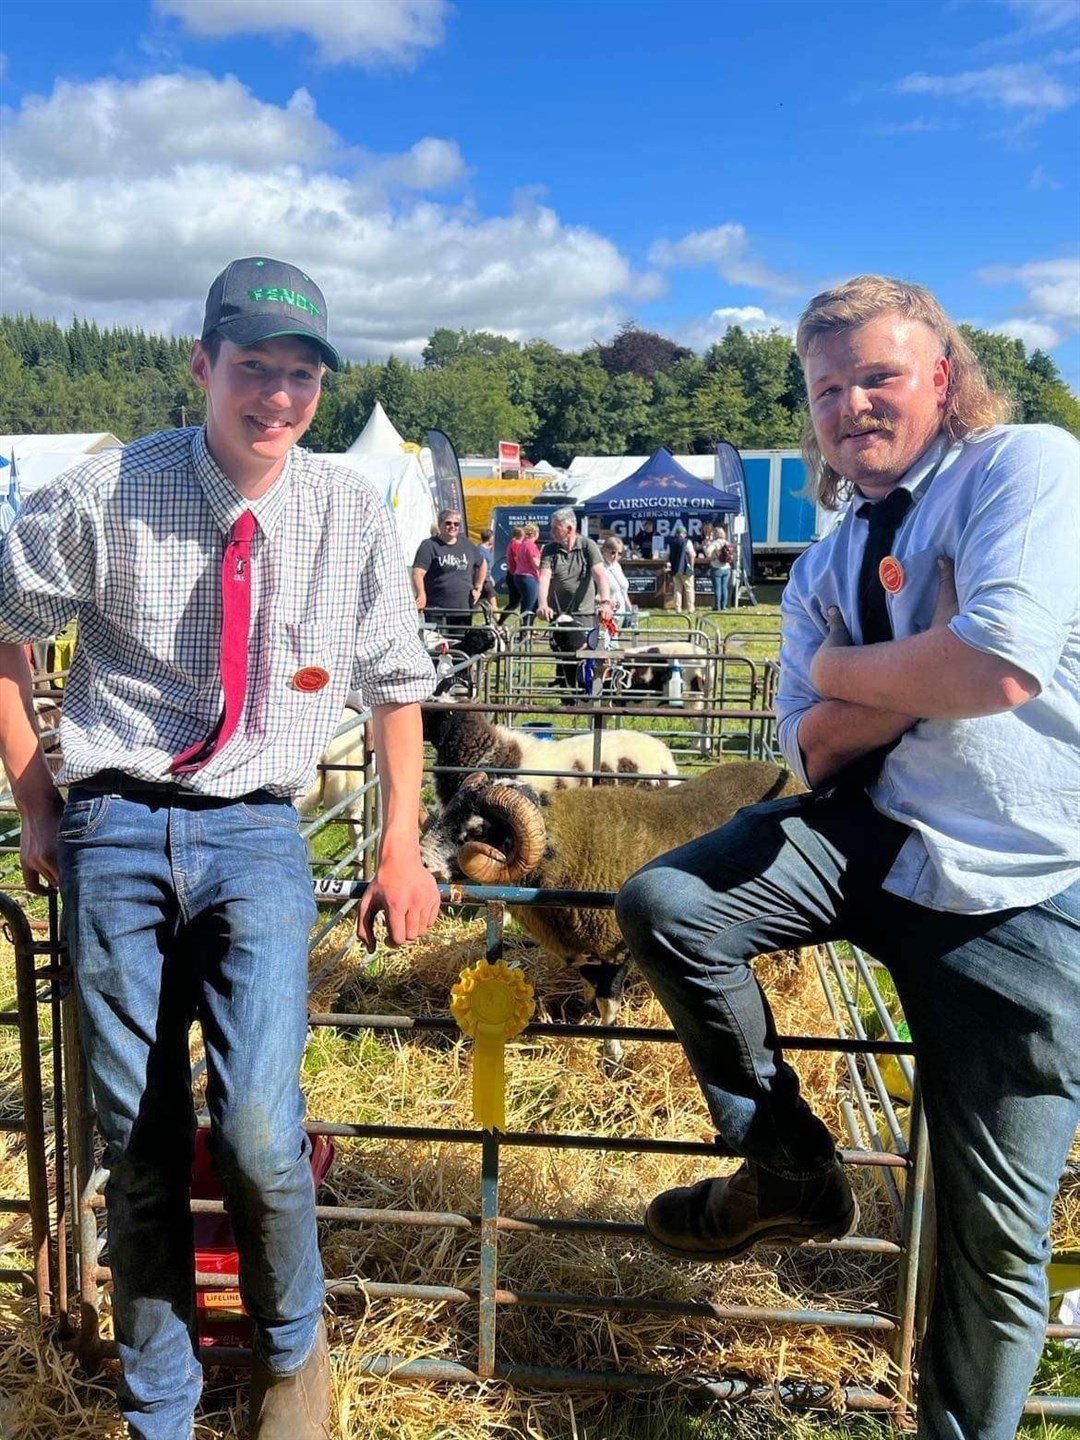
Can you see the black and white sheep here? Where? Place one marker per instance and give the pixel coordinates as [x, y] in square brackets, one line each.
[453, 650]
[645, 671]
[467, 740]
[502, 833]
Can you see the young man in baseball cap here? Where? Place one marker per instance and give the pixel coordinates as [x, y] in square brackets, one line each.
[231, 590]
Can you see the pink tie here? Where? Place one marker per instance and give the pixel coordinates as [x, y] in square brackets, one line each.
[235, 626]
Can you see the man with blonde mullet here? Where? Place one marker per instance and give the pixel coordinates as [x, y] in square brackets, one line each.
[929, 700]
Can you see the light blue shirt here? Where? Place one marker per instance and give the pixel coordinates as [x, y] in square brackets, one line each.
[993, 802]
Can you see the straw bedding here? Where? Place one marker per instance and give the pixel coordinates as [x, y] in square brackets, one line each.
[552, 1085]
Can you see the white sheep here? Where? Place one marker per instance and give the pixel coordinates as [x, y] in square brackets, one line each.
[468, 741]
[332, 785]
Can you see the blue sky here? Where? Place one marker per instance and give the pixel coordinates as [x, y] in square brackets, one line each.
[543, 170]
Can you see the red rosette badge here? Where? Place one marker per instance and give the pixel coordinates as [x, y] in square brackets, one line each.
[891, 574]
[310, 679]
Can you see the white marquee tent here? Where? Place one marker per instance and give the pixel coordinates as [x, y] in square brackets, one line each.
[399, 473]
[40, 458]
[380, 436]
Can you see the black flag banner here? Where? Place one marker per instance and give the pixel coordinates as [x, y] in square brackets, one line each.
[446, 488]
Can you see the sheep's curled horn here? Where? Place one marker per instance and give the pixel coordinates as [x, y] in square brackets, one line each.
[483, 863]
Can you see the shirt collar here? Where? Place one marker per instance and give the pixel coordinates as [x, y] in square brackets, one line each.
[226, 504]
[919, 478]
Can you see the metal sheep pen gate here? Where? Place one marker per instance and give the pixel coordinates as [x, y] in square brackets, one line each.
[67, 1260]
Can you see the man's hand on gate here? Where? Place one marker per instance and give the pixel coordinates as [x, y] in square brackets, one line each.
[406, 894]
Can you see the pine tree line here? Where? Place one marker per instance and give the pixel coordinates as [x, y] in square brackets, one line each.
[627, 396]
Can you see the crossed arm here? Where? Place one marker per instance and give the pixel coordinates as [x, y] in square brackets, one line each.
[871, 694]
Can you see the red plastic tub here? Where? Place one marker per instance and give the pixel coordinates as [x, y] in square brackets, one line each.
[221, 1315]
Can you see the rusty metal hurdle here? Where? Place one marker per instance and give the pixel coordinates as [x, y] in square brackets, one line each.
[42, 1207]
[900, 1329]
[75, 1172]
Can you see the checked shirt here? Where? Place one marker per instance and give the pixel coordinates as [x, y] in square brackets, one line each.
[130, 542]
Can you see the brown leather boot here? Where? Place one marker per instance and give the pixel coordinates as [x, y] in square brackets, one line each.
[293, 1407]
[719, 1219]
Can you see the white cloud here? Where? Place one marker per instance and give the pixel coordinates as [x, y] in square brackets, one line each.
[364, 32]
[1027, 86]
[1043, 16]
[726, 248]
[1053, 286]
[702, 333]
[130, 225]
[430, 164]
[922, 125]
[158, 125]
[1034, 333]
[1050, 309]
[1041, 179]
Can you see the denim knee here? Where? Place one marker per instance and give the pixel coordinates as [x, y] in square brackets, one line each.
[254, 1151]
[641, 906]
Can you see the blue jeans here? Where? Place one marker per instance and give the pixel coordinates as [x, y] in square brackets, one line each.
[529, 591]
[721, 585]
[993, 1002]
[173, 912]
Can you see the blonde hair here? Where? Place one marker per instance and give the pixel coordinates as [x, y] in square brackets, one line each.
[970, 404]
[531, 531]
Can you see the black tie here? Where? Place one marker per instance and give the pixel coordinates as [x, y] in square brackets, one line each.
[884, 517]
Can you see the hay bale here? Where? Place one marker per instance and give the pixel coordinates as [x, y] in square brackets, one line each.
[552, 1085]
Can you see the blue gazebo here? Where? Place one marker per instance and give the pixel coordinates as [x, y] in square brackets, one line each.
[662, 487]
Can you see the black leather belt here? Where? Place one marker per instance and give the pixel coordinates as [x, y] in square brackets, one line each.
[163, 792]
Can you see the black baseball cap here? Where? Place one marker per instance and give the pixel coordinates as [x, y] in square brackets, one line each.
[255, 299]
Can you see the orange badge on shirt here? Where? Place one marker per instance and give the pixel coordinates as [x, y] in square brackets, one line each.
[312, 677]
[891, 574]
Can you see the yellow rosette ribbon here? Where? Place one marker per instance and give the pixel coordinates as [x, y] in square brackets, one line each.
[491, 1004]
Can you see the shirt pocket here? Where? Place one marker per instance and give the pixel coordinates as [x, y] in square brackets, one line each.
[295, 698]
[912, 607]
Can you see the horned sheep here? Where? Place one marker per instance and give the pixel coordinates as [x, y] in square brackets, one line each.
[502, 833]
[468, 741]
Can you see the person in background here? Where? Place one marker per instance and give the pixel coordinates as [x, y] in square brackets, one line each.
[488, 596]
[513, 549]
[681, 565]
[448, 574]
[719, 554]
[929, 697]
[619, 590]
[231, 590]
[528, 571]
[643, 540]
[573, 584]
